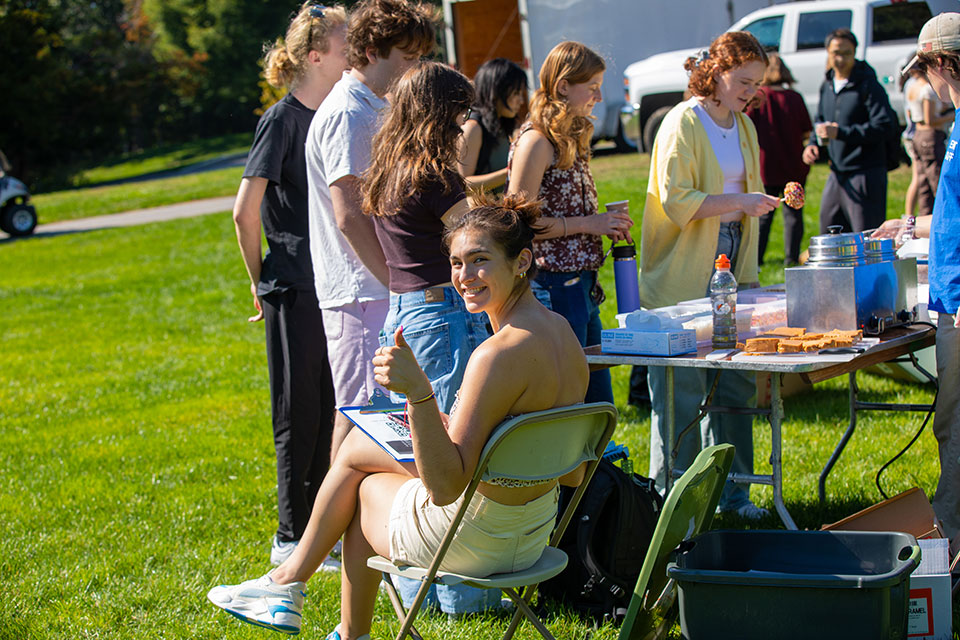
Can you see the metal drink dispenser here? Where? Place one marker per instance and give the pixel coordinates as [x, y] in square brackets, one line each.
[849, 283]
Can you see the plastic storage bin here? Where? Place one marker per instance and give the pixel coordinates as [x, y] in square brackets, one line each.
[795, 584]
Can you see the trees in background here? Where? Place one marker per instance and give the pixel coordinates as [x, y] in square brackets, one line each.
[87, 79]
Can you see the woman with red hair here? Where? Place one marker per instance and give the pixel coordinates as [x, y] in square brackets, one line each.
[704, 196]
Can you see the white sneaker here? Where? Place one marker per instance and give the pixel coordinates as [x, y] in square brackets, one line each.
[332, 562]
[263, 602]
[335, 635]
[280, 551]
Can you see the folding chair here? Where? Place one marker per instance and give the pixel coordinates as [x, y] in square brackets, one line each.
[534, 446]
[687, 511]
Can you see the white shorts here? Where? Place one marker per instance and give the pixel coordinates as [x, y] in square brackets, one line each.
[493, 537]
[353, 336]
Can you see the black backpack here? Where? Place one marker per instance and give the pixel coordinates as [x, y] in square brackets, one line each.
[892, 145]
[606, 542]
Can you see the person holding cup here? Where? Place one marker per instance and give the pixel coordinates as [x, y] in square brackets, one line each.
[549, 161]
[852, 120]
[704, 197]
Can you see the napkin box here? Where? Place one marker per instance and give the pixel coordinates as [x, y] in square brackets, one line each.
[648, 343]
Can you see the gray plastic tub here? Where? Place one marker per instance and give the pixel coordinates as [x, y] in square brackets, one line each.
[794, 584]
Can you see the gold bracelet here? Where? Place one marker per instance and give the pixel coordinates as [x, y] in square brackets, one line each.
[424, 399]
[564, 219]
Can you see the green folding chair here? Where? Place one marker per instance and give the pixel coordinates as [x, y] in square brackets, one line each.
[687, 511]
[535, 446]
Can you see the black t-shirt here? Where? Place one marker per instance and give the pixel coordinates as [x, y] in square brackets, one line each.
[412, 239]
[278, 155]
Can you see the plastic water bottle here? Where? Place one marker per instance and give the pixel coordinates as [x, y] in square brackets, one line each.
[625, 277]
[908, 232]
[723, 299]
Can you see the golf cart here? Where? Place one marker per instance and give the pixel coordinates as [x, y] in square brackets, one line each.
[17, 215]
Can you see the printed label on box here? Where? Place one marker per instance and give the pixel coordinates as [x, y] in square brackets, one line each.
[920, 617]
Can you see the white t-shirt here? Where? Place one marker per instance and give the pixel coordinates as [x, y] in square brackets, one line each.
[338, 145]
[915, 97]
[839, 83]
[726, 147]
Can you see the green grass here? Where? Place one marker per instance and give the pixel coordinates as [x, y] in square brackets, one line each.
[97, 201]
[163, 158]
[138, 457]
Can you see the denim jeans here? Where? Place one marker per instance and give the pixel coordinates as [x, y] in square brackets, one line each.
[570, 297]
[735, 389]
[441, 334]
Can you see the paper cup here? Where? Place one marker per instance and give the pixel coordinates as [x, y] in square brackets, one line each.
[618, 206]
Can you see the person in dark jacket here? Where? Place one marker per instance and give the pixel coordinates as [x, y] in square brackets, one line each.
[852, 121]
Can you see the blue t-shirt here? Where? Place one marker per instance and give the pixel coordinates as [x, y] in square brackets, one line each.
[945, 231]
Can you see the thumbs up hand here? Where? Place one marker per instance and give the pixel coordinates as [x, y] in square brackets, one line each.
[397, 369]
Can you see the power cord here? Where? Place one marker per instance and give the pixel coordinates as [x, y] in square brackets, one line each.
[923, 426]
[909, 444]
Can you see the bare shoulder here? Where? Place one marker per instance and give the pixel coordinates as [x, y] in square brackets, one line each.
[536, 347]
[534, 143]
[471, 130]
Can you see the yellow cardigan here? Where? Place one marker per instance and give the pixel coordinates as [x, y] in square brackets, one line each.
[677, 253]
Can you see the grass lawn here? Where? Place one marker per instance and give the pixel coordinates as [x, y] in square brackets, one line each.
[98, 201]
[137, 453]
[163, 158]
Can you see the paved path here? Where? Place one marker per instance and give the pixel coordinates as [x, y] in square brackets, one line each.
[137, 217]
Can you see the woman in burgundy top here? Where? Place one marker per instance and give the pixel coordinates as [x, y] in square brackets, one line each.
[548, 160]
[413, 191]
[783, 124]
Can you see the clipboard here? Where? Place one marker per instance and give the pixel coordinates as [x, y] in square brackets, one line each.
[384, 422]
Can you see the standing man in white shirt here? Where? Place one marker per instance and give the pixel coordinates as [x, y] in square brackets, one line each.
[384, 39]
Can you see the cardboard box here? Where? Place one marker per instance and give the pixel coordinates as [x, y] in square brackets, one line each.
[930, 608]
[791, 384]
[648, 343]
[909, 512]
[930, 614]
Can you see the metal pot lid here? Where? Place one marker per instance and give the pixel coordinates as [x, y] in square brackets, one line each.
[836, 239]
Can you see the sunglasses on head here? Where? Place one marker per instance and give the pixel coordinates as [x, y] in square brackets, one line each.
[316, 12]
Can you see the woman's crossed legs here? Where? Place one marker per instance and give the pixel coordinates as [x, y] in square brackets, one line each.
[354, 501]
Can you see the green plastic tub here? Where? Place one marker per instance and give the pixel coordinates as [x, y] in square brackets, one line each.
[794, 584]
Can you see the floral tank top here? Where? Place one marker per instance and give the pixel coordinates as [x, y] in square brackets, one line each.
[566, 193]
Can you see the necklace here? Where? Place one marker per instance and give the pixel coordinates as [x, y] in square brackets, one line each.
[724, 132]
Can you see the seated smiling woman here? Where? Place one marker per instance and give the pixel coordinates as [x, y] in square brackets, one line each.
[382, 507]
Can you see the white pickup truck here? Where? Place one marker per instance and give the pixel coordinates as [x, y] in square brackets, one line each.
[886, 31]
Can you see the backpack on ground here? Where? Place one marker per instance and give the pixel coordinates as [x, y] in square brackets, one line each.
[606, 541]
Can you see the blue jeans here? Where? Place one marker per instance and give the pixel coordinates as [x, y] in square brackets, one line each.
[442, 335]
[735, 389]
[570, 296]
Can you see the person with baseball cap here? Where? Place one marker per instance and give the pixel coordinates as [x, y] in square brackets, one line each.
[938, 56]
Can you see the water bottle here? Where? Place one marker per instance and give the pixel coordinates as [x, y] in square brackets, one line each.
[723, 299]
[625, 277]
[908, 232]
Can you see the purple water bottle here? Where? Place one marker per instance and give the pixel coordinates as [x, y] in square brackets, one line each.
[625, 277]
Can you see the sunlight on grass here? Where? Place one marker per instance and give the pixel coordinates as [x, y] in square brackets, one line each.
[98, 201]
[164, 158]
[137, 451]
